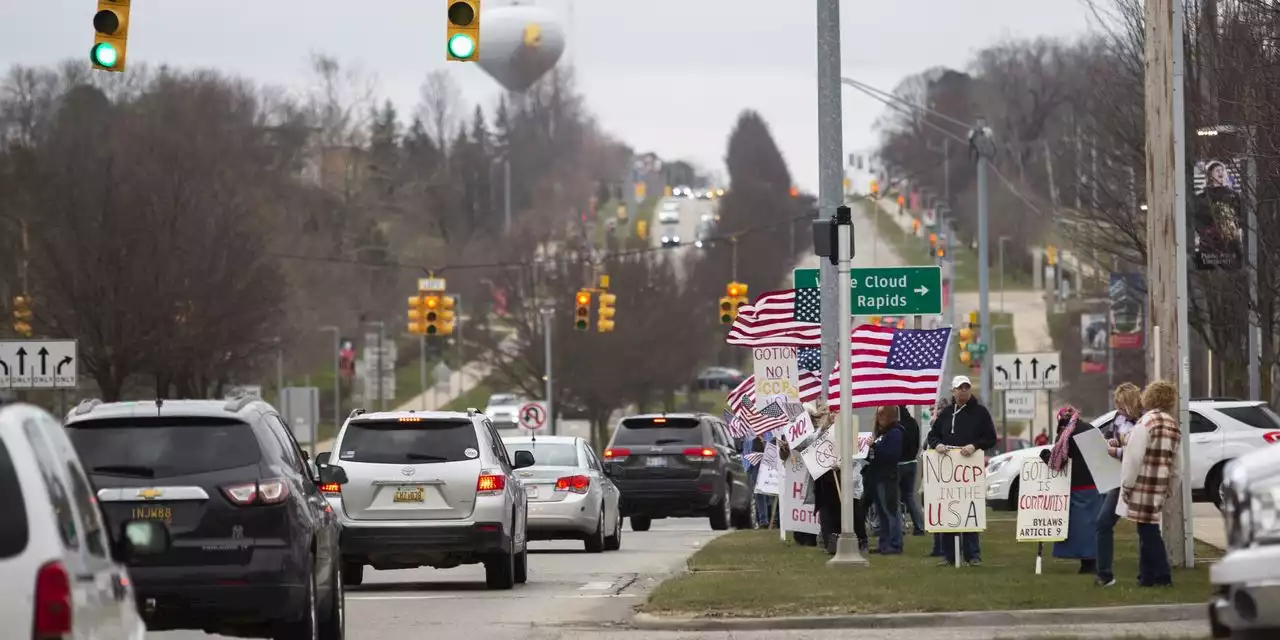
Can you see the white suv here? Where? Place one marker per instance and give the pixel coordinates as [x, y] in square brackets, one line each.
[64, 573]
[1222, 430]
[429, 488]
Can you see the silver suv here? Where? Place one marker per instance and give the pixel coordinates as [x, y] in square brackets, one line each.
[429, 488]
[1246, 581]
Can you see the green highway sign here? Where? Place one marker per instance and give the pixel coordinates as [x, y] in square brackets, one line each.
[888, 291]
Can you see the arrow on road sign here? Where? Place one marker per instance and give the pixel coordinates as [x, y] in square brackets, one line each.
[1002, 370]
[1049, 369]
[1034, 362]
[66, 360]
[44, 361]
[1017, 368]
[5, 367]
[922, 289]
[22, 361]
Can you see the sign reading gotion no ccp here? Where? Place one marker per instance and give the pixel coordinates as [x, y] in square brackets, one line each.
[955, 492]
[777, 375]
[795, 515]
[1044, 502]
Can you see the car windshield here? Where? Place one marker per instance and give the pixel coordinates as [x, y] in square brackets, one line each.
[163, 447]
[1258, 416]
[658, 431]
[547, 454]
[411, 441]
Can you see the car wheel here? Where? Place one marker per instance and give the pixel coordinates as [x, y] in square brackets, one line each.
[1012, 503]
[640, 523]
[614, 542]
[500, 570]
[333, 625]
[1213, 485]
[721, 513]
[595, 539]
[522, 566]
[307, 626]
[353, 573]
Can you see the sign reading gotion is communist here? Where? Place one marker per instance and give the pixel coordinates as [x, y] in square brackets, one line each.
[795, 515]
[955, 492]
[1044, 500]
[777, 375]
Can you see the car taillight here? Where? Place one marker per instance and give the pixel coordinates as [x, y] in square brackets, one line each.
[700, 454]
[617, 454]
[53, 602]
[576, 484]
[490, 483]
[330, 487]
[1272, 437]
[272, 491]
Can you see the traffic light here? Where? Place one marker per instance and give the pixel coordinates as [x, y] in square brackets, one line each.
[1051, 252]
[795, 193]
[463, 35]
[942, 253]
[582, 316]
[417, 316]
[604, 315]
[902, 201]
[933, 240]
[22, 316]
[431, 312]
[111, 24]
[726, 310]
[445, 323]
[874, 320]
[737, 291]
[875, 188]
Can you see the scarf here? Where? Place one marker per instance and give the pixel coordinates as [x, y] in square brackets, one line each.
[1062, 448]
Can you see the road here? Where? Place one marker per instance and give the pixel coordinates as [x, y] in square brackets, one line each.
[691, 213]
[567, 588]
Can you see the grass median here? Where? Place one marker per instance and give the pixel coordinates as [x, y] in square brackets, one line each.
[752, 574]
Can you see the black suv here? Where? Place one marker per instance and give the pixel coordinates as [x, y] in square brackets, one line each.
[254, 543]
[678, 465]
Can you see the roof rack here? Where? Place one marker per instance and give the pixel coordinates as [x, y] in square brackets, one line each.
[86, 406]
[240, 401]
[356, 412]
[472, 411]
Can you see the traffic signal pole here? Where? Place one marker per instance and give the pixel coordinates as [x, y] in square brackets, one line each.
[548, 313]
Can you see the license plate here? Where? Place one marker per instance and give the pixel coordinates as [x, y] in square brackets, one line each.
[411, 494]
[163, 514]
[655, 461]
[532, 490]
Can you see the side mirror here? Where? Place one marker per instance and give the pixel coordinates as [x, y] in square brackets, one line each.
[322, 458]
[524, 459]
[330, 474]
[607, 470]
[141, 538]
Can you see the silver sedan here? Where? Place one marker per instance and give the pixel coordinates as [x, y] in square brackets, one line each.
[569, 496]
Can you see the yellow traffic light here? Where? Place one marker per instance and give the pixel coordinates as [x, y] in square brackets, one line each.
[875, 320]
[111, 27]
[728, 310]
[966, 334]
[973, 317]
[22, 316]
[941, 252]
[604, 315]
[875, 187]
[1051, 252]
[446, 318]
[640, 191]
[417, 316]
[582, 315]
[933, 240]
[965, 357]
[902, 201]
[733, 289]
[462, 39]
[642, 227]
[431, 312]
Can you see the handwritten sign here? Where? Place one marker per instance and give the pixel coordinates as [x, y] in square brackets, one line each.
[955, 492]
[777, 375]
[1044, 501]
[769, 482]
[799, 432]
[823, 454]
[794, 514]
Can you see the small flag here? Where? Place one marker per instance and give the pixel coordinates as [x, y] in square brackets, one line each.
[754, 458]
[809, 359]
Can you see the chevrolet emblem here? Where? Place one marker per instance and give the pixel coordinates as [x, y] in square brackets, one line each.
[150, 494]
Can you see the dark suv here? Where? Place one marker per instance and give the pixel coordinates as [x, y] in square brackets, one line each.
[254, 543]
[678, 465]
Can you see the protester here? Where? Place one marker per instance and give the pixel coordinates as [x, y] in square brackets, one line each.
[800, 538]
[1082, 517]
[907, 466]
[827, 490]
[1041, 439]
[938, 407]
[964, 424]
[886, 452]
[763, 506]
[1128, 402]
[1149, 467]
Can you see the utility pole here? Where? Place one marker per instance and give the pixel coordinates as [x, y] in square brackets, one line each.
[548, 313]
[980, 141]
[1251, 228]
[1167, 242]
[830, 178]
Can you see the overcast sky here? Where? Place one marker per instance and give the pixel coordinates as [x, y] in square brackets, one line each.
[668, 76]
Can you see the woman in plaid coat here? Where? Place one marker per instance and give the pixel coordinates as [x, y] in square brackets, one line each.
[1148, 469]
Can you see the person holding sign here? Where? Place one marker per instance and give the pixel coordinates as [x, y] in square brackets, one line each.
[1082, 514]
[965, 425]
[1149, 469]
[1128, 401]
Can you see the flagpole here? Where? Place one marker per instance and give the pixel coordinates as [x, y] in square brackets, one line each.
[847, 553]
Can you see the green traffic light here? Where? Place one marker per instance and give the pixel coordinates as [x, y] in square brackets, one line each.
[431, 329]
[104, 54]
[462, 46]
[725, 319]
[581, 325]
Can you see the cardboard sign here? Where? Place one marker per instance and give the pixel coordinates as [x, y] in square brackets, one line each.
[777, 375]
[795, 515]
[823, 454]
[769, 482]
[1044, 502]
[799, 432]
[955, 492]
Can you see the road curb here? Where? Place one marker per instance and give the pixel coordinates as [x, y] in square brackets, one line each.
[1096, 615]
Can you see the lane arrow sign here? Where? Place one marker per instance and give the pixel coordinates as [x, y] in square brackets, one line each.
[66, 360]
[4, 366]
[1034, 364]
[1049, 369]
[1002, 370]
[922, 289]
[44, 361]
[22, 361]
[1017, 369]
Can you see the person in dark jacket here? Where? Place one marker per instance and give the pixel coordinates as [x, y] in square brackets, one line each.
[1086, 502]
[965, 425]
[907, 469]
[886, 451]
[826, 495]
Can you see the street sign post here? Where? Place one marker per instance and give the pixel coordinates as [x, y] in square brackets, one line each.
[38, 364]
[532, 416]
[892, 291]
[1020, 405]
[1027, 371]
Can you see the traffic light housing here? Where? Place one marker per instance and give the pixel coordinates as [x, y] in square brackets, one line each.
[462, 39]
[738, 292]
[22, 316]
[431, 312]
[727, 310]
[446, 315]
[605, 313]
[582, 315]
[111, 37]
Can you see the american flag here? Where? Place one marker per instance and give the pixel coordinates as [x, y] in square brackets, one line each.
[809, 359]
[808, 305]
[743, 397]
[734, 426]
[893, 366]
[771, 322]
[766, 420]
[754, 458]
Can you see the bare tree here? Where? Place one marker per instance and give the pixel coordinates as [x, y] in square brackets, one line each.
[440, 105]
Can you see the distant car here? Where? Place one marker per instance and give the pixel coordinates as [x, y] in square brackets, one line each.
[670, 241]
[722, 378]
[1246, 581]
[679, 465]
[669, 213]
[503, 408]
[682, 191]
[569, 495]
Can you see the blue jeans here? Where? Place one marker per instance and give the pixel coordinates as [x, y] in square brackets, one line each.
[1106, 528]
[1153, 561]
[761, 500]
[890, 540]
[907, 494]
[968, 546]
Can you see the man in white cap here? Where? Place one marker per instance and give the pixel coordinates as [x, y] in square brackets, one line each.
[965, 425]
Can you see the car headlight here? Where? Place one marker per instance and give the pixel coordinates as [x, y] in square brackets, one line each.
[995, 466]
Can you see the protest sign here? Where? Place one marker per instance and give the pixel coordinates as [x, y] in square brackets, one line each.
[770, 479]
[1044, 500]
[823, 454]
[955, 492]
[777, 375]
[1104, 469]
[799, 432]
[795, 515]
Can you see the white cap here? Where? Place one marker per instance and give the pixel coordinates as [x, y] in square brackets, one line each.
[960, 380]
